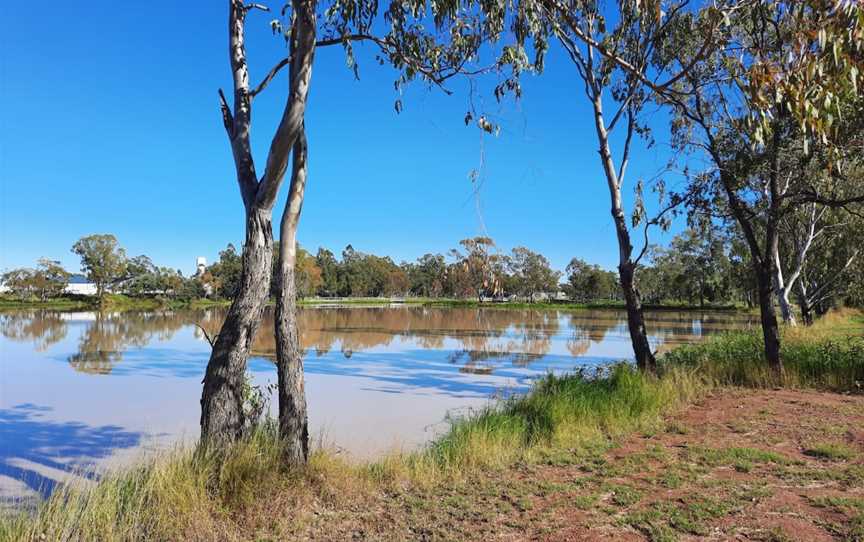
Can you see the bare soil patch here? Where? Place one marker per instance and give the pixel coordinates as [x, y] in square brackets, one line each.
[771, 465]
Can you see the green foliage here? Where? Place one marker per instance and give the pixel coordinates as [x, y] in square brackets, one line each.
[818, 68]
[224, 275]
[531, 273]
[47, 281]
[699, 267]
[102, 259]
[589, 282]
[329, 266]
[367, 275]
[426, 278]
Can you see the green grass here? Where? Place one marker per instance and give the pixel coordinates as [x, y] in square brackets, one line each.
[57, 303]
[832, 451]
[828, 355]
[567, 305]
[576, 412]
[741, 459]
[563, 420]
[123, 302]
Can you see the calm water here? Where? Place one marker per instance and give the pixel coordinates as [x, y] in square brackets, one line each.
[80, 390]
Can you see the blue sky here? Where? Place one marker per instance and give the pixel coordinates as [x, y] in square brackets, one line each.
[109, 122]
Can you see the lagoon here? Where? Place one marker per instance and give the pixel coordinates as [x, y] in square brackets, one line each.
[81, 391]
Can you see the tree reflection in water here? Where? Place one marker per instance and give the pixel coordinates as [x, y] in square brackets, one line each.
[42, 328]
[476, 339]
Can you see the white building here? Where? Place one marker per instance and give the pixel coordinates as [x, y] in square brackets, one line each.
[200, 265]
[79, 285]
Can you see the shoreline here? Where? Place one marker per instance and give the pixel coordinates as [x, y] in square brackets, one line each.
[581, 439]
[116, 302]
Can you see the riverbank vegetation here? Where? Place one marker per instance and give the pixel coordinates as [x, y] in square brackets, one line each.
[568, 421]
[689, 273]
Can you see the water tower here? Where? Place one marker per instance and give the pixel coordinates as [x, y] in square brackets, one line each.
[200, 265]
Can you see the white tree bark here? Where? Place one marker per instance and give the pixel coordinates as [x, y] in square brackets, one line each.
[801, 244]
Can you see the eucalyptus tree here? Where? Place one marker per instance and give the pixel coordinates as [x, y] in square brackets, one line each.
[48, 280]
[329, 266]
[740, 105]
[834, 250]
[102, 259]
[532, 273]
[427, 276]
[614, 51]
[480, 266]
[589, 282]
[404, 43]
[51, 278]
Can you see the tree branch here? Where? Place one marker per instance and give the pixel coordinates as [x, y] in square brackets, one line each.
[625, 158]
[656, 221]
[253, 5]
[302, 55]
[211, 340]
[435, 75]
[242, 117]
[270, 75]
[227, 117]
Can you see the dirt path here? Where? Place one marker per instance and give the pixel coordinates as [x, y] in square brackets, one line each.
[740, 465]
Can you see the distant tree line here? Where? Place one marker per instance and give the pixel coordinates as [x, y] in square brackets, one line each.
[707, 266]
[475, 270]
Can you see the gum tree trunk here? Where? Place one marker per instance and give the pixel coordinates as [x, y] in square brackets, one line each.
[626, 266]
[782, 292]
[293, 424]
[804, 304]
[802, 242]
[768, 318]
[222, 419]
[636, 320]
[293, 421]
[763, 268]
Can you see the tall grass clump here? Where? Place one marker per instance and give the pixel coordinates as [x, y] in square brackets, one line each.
[828, 355]
[571, 412]
[181, 494]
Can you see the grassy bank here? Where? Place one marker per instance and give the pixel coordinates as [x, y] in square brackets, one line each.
[58, 303]
[567, 305]
[111, 302]
[565, 420]
[121, 302]
[828, 355]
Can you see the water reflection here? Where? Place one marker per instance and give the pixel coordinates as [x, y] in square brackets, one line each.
[42, 328]
[476, 339]
[375, 377]
[109, 335]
